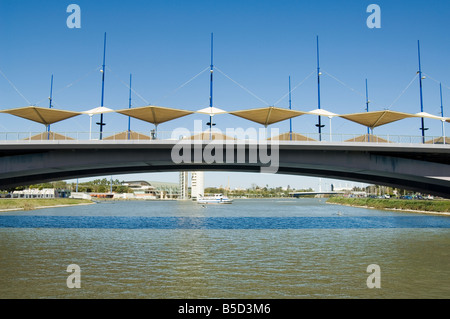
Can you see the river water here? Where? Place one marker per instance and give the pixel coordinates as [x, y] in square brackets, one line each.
[265, 248]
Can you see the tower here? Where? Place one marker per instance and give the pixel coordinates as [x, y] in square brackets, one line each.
[183, 185]
[197, 184]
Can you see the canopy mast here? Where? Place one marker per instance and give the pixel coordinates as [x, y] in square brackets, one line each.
[442, 114]
[129, 106]
[211, 90]
[50, 105]
[421, 96]
[103, 87]
[290, 107]
[319, 124]
[367, 110]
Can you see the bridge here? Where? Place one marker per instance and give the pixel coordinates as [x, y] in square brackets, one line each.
[299, 194]
[418, 167]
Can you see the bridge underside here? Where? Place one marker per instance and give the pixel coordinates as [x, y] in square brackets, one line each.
[425, 169]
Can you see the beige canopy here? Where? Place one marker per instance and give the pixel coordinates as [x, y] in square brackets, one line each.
[439, 140]
[132, 135]
[207, 135]
[295, 137]
[52, 136]
[376, 118]
[41, 115]
[154, 114]
[367, 138]
[267, 115]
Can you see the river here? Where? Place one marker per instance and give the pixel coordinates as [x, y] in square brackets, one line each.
[265, 248]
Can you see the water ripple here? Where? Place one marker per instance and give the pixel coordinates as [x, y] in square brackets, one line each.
[140, 222]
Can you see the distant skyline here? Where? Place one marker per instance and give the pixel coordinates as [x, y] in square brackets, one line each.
[165, 45]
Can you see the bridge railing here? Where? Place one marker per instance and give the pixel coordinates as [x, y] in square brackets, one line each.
[29, 137]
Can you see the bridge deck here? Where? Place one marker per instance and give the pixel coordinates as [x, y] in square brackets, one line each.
[421, 167]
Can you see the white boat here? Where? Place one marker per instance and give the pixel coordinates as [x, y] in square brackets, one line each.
[216, 199]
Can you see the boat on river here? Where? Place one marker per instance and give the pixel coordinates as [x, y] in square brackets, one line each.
[215, 199]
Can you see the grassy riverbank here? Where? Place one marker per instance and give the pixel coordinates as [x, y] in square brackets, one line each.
[35, 203]
[431, 206]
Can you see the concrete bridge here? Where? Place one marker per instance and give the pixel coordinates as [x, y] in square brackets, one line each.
[299, 194]
[424, 168]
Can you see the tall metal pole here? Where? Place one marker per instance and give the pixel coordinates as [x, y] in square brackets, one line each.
[50, 105]
[367, 110]
[290, 107]
[103, 87]
[129, 106]
[319, 124]
[421, 96]
[51, 93]
[442, 114]
[211, 89]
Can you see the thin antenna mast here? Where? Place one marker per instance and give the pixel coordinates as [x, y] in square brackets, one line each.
[442, 115]
[421, 96]
[211, 124]
[367, 110]
[129, 106]
[50, 105]
[103, 88]
[290, 107]
[319, 124]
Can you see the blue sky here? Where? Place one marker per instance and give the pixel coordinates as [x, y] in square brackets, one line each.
[258, 44]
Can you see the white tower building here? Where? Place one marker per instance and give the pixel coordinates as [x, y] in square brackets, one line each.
[184, 185]
[197, 184]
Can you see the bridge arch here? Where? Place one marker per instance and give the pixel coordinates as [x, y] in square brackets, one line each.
[423, 168]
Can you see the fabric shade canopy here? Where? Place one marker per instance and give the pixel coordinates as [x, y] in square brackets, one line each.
[94, 111]
[207, 135]
[48, 136]
[211, 111]
[367, 138]
[154, 114]
[41, 115]
[295, 137]
[428, 115]
[267, 115]
[439, 140]
[98, 110]
[128, 136]
[322, 112]
[376, 118]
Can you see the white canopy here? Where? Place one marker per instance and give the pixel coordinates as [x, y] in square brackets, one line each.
[323, 112]
[211, 111]
[431, 116]
[98, 110]
[94, 111]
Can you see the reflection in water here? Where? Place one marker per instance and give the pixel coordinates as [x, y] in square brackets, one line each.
[193, 260]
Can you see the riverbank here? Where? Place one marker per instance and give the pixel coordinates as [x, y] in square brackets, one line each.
[441, 207]
[12, 204]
